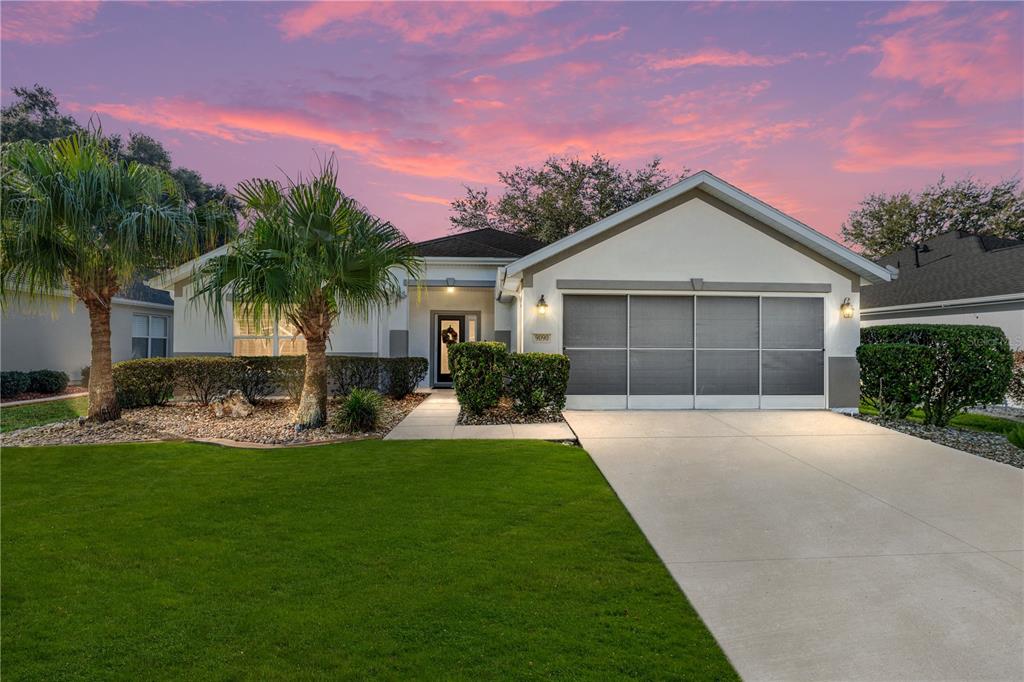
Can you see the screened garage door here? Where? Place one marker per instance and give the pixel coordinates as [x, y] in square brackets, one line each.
[644, 351]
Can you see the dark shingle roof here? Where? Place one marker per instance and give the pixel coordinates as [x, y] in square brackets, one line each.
[137, 291]
[485, 243]
[956, 266]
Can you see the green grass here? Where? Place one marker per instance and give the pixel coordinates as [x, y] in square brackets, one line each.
[395, 560]
[971, 422]
[23, 416]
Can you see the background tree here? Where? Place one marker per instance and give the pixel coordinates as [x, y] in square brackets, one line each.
[560, 197]
[884, 224]
[309, 253]
[35, 115]
[75, 218]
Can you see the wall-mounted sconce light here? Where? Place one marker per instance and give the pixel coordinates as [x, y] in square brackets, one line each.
[542, 306]
[846, 309]
[451, 285]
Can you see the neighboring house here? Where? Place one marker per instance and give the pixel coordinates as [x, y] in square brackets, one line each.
[955, 278]
[54, 334]
[699, 296]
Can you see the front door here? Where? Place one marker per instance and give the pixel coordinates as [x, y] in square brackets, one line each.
[450, 329]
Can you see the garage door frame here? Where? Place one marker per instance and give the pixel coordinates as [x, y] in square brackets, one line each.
[694, 400]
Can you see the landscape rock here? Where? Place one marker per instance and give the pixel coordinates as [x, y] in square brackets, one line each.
[233, 404]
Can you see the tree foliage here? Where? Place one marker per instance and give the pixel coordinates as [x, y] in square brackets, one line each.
[562, 196]
[35, 116]
[884, 223]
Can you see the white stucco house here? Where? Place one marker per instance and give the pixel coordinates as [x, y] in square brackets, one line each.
[700, 296]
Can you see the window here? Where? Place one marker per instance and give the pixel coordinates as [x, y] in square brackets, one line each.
[149, 336]
[266, 338]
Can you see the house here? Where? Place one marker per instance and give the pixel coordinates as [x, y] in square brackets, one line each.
[700, 296]
[954, 278]
[54, 334]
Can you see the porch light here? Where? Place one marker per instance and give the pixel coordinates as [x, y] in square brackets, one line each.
[542, 306]
[846, 309]
[451, 285]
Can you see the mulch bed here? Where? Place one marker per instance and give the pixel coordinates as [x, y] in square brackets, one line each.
[70, 390]
[272, 423]
[988, 445]
[503, 413]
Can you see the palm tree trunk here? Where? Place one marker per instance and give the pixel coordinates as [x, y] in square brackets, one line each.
[103, 404]
[313, 403]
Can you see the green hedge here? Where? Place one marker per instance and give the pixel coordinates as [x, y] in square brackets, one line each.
[537, 381]
[973, 364]
[403, 375]
[47, 381]
[13, 384]
[202, 378]
[349, 372]
[478, 373]
[144, 382]
[894, 376]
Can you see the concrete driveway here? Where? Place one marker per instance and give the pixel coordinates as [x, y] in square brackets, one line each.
[819, 547]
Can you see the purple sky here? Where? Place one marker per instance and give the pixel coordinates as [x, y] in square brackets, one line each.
[808, 106]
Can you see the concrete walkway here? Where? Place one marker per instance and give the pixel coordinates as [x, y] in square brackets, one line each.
[435, 418]
[819, 547]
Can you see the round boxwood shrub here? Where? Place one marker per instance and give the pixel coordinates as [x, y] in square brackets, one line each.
[47, 381]
[144, 382]
[358, 411]
[478, 373]
[973, 364]
[13, 384]
[402, 375]
[203, 377]
[894, 376]
[537, 381]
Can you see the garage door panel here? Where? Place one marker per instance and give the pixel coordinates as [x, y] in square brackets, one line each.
[727, 322]
[661, 321]
[792, 323]
[727, 372]
[793, 372]
[594, 321]
[597, 372]
[661, 372]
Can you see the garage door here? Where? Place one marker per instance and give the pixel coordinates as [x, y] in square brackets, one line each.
[644, 351]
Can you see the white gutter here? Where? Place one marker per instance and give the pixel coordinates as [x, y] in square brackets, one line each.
[939, 305]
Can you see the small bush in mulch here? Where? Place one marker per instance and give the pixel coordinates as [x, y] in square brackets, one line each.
[13, 384]
[537, 382]
[403, 375]
[144, 382]
[358, 411]
[894, 376]
[478, 373]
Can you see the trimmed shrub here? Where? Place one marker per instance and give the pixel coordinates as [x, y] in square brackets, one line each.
[144, 382]
[358, 412]
[973, 364]
[202, 378]
[537, 381]
[478, 373]
[13, 384]
[1015, 391]
[894, 376]
[402, 375]
[1017, 436]
[47, 381]
[290, 374]
[85, 376]
[353, 371]
[256, 376]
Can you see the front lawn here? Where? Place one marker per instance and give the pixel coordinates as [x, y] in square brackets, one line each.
[376, 559]
[36, 414]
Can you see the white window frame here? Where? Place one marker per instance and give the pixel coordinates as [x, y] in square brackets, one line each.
[275, 337]
[149, 333]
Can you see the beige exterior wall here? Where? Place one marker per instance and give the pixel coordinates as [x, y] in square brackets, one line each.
[55, 335]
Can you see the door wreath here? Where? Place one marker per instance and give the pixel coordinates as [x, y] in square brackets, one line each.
[449, 336]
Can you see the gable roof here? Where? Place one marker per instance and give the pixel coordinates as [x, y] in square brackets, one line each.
[138, 291]
[483, 243]
[736, 198]
[956, 266]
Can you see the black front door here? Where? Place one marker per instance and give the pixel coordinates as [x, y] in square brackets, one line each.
[450, 329]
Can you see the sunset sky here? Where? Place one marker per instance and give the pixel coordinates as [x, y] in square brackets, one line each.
[808, 106]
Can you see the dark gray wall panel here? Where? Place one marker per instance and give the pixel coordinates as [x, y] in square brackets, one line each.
[793, 372]
[597, 372]
[727, 372]
[594, 322]
[843, 382]
[661, 372]
[727, 322]
[792, 322]
[398, 343]
[503, 336]
[661, 322]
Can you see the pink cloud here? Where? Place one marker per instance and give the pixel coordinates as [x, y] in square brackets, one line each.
[871, 146]
[418, 157]
[414, 22]
[908, 11]
[969, 59]
[716, 57]
[424, 198]
[45, 22]
[479, 103]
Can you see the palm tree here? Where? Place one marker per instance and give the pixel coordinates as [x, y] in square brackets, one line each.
[308, 254]
[74, 219]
